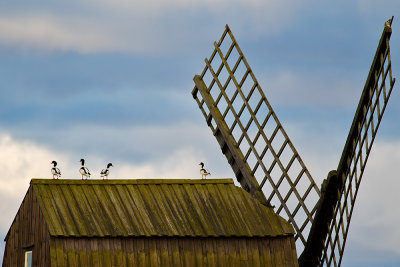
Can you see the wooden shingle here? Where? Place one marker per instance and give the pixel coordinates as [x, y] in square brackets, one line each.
[163, 207]
[164, 222]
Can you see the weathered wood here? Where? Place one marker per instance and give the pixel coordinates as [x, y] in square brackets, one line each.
[366, 121]
[229, 145]
[28, 232]
[131, 181]
[312, 252]
[192, 224]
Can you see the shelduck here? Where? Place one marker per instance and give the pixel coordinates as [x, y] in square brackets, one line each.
[105, 172]
[55, 171]
[83, 170]
[203, 171]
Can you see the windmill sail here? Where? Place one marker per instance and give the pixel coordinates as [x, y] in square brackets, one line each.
[263, 158]
[372, 105]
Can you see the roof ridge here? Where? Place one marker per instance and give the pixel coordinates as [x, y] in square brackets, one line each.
[131, 181]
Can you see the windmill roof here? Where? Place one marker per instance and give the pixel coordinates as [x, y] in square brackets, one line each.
[154, 207]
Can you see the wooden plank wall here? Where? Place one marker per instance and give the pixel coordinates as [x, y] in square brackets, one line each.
[279, 251]
[27, 232]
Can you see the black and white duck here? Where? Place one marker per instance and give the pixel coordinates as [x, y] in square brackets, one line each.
[203, 171]
[105, 172]
[55, 171]
[83, 170]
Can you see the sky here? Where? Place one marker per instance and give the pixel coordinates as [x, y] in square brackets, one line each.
[111, 81]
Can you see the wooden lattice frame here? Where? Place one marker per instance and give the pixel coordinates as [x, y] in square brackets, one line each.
[227, 101]
[233, 103]
[372, 105]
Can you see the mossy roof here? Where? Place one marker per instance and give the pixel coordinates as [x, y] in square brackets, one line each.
[154, 207]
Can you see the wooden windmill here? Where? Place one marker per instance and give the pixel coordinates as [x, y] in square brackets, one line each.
[265, 161]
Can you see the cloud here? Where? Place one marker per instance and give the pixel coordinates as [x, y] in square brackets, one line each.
[378, 196]
[181, 164]
[374, 226]
[21, 160]
[49, 33]
[137, 27]
[374, 230]
[298, 89]
[373, 7]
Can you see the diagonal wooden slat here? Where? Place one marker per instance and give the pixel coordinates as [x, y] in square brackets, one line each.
[373, 102]
[258, 148]
[252, 138]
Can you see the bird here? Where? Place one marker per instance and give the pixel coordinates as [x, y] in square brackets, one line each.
[203, 171]
[83, 170]
[55, 171]
[105, 172]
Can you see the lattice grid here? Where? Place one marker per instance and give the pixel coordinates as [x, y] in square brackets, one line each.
[258, 134]
[372, 105]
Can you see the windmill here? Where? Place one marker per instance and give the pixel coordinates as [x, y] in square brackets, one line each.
[265, 161]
